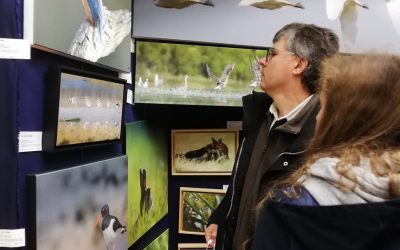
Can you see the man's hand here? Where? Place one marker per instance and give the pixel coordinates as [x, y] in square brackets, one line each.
[211, 234]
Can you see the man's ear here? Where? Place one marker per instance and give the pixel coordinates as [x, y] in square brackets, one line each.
[302, 64]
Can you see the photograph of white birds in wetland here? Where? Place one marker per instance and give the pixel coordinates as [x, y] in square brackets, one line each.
[90, 110]
[95, 30]
[147, 150]
[362, 25]
[83, 207]
[174, 73]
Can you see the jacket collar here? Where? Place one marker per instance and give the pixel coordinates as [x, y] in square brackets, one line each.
[295, 125]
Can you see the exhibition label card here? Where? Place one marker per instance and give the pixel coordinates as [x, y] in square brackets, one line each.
[129, 97]
[30, 141]
[15, 48]
[12, 238]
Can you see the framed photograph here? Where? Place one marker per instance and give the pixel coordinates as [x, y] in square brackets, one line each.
[67, 207]
[203, 151]
[147, 150]
[195, 207]
[195, 73]
[96, 32]
[193, 246]
[82, 109]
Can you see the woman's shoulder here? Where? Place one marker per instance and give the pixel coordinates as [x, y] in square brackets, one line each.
[304, 199]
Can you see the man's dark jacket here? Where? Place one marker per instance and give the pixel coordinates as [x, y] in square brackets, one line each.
[294, 139]
[369, 226]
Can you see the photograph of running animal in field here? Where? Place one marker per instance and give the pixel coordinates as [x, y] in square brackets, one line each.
[203, 152]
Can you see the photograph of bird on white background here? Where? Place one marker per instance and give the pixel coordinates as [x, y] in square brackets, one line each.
[180, 4]
[221, 81]
[393, 7]
[347, 12]
[101, 32]
[270, 4]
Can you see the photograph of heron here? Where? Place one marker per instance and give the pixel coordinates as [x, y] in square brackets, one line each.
[195, 207]
[147, 150]
[94, 30]
[195, 74]
[82, 207]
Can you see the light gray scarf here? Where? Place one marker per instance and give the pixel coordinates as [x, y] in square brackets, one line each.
[323, 178]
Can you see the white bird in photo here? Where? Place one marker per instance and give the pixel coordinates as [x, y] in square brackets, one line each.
[255, 69]
[180, 4]
[347, 12]
[222, 81]
[270, 4]
[393, 7]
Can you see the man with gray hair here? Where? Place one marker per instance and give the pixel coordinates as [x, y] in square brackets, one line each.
[277, 127]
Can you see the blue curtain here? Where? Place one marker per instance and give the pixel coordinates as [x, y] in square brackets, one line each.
[10, 27]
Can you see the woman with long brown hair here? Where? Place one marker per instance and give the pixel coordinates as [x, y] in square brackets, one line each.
[354, 157]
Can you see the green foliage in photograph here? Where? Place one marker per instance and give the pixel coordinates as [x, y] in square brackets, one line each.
[160, 243]
[146, 147]
[197, 208]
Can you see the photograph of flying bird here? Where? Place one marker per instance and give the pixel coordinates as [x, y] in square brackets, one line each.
[255, 70]
[347, 12]
[221, 81]
[393, 7]
[270, 4]
[180, 4]
[111, 228]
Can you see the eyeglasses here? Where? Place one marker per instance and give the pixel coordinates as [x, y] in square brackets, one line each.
[271, 52]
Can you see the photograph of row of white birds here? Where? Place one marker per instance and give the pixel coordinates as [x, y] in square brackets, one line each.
[361, 25]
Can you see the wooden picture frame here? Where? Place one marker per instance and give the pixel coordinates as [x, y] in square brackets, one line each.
[194, 246]
[203, 151]
[195, 207]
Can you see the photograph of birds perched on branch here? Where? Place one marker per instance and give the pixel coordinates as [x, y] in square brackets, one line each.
[195, 208]
[194, 73]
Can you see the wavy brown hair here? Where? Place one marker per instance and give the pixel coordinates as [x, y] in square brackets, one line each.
[361, 119]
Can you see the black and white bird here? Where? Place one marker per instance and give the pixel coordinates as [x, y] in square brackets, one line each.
[111, 227]
[270, 4]
[180, 4]
[221, 81]
[255, 69]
